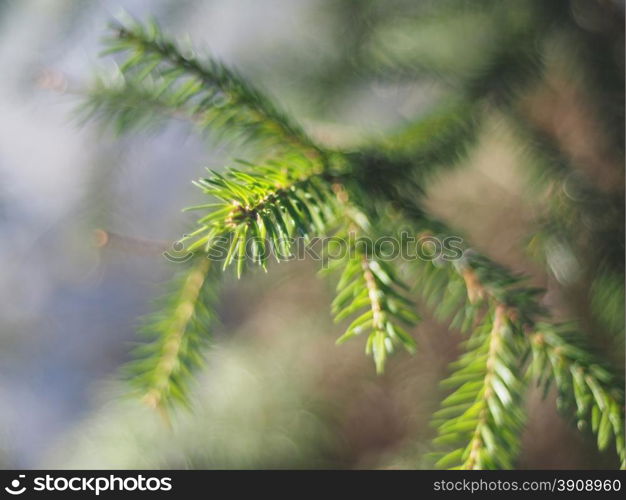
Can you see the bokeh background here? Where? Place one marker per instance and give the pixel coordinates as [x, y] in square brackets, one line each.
[276, 391]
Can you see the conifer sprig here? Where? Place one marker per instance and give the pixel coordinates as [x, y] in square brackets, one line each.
[370, 288]
[583, 383]
[177, 333]
[462, 289]
[208, 92]
[264, 209]
[556, 354]
[482, 419]
[123, 104]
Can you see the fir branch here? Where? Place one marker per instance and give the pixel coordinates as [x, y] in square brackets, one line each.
[557, 351]
[178, 332]
[485, 281]
[370, 288]
[369, 285]
[265, 208]
[210, 92]
[483, 418]
[560, 357]
[123, 104]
